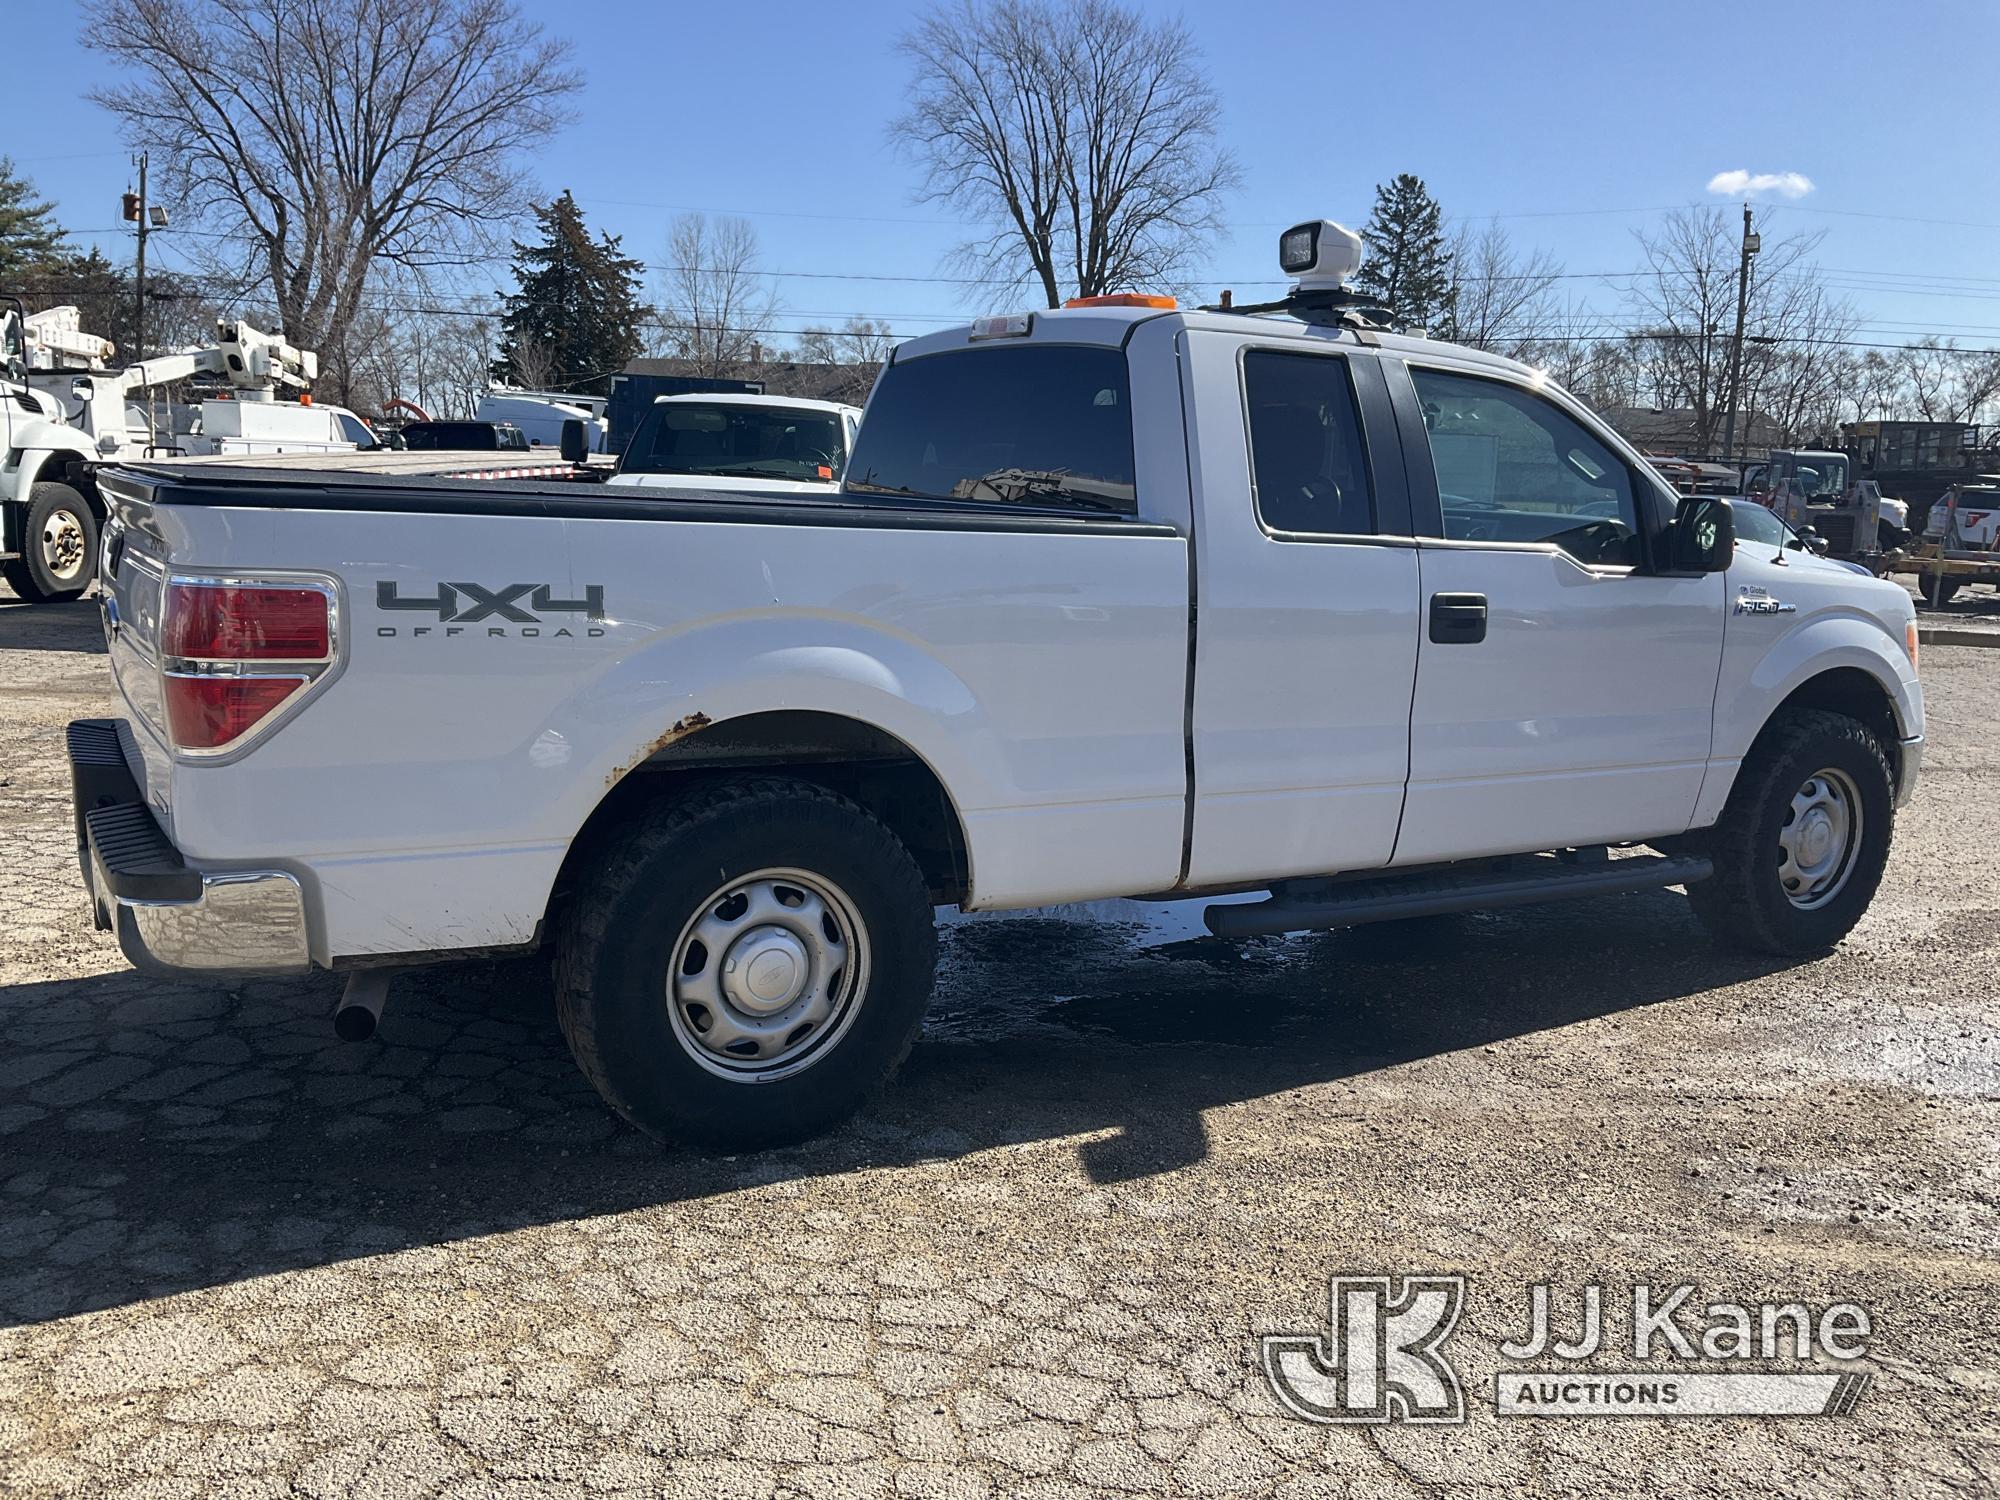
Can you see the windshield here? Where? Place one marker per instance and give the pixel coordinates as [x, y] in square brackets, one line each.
[737, 439]
[1757, 526]
[439, 436]
[1822, 476]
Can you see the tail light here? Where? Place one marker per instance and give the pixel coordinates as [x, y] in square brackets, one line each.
[237, 656]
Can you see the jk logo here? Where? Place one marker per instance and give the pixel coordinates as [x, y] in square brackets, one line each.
[1381, 1363]
[469, 603]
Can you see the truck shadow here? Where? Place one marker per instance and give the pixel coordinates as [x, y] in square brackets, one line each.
[75, 626]
[164, 1137]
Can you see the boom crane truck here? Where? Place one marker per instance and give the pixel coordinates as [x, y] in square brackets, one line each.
[63, 413]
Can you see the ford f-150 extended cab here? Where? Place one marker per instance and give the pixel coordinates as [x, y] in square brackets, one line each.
[1117, 600]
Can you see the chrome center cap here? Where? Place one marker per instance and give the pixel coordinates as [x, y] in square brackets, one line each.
[1816, 838]
[766, 970]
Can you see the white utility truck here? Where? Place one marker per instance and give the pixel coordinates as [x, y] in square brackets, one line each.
[541, 414]
[1118, 600]
[64, 412]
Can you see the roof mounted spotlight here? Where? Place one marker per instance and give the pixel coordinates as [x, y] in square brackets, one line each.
[1321, 254]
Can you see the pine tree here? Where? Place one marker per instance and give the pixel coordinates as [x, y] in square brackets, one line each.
[574, 321]
[1408, 267]
[29, 234]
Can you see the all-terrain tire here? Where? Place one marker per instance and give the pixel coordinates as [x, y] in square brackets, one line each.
[37, 576]
[661, 875]
[1745, 903]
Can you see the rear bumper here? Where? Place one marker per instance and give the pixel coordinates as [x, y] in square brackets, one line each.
[172, 918]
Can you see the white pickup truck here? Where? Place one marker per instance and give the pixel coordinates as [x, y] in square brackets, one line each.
[1119, 600]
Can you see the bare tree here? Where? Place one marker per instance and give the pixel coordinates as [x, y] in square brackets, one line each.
[1873, 385]
[457, 357]
[854, 355]
[1796, 363]
[1687, 300]
[716, 308]
[328, 136]
[1081, 132]
[1501, 299]
[1944, 383]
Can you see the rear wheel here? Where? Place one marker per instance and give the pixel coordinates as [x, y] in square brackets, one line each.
[1938, 589]
[746, 963]
[58, 546]
[1802, 842]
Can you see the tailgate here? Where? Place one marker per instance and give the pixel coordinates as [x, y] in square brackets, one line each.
[134, 570]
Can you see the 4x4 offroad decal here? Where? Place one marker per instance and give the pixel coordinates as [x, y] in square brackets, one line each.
[459, 605]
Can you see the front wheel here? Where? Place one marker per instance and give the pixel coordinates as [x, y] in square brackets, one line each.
[58, 546]
[746, 963]
[1803, 839]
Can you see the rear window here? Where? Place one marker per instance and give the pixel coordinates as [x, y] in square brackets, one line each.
[739, 440]
[1021, 425]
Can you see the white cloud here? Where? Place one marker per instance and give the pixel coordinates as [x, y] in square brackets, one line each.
[1739, 183]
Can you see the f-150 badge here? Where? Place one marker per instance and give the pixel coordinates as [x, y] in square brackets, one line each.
[1756, 601]
[524, 607]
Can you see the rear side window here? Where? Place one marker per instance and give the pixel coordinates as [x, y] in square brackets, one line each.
[1024, 425]
[1308, 468]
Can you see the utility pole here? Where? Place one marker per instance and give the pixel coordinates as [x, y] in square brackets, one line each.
[1751, 244]
[139, 324]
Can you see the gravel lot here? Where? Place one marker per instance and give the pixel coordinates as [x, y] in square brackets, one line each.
[240, 1258]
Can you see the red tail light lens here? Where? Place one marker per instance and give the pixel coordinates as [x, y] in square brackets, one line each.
[206, 713]
[238, 622]
[233, 652]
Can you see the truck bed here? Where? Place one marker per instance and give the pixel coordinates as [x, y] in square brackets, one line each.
[511, 651]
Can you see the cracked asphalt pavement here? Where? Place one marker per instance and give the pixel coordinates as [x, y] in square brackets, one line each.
[239, 1258]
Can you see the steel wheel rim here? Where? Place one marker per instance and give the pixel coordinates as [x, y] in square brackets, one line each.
[767, 975]
[1820, 841]
[64, 550]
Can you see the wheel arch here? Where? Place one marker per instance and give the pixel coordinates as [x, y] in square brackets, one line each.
[861, 761]
[1852, 692]
[60, 466]
[1856, 689]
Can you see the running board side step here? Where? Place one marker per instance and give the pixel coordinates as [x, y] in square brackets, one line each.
[1484, 887]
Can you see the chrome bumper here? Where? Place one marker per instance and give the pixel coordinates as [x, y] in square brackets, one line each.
[171, 917]
[1909, 764]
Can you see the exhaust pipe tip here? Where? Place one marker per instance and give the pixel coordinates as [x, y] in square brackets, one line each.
[355, 1023]
[359, 1012]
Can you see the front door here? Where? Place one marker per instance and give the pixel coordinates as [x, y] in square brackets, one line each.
[1565, 691]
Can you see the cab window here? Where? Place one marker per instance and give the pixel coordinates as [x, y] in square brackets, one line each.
[1033, 425]
[1309, 471]
[1515, 467]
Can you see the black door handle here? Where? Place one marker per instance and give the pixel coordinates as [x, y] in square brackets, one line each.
[1458, 619]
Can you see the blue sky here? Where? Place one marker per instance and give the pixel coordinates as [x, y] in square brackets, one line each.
[1576, 123]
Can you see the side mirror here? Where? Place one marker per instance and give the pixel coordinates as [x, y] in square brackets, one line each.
[575, 446]
[1703, 539]
[1815, 541]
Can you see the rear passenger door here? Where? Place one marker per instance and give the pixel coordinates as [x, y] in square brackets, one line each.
[1306, 610]
[1565, 686]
